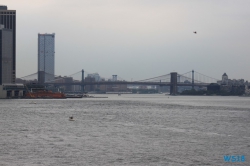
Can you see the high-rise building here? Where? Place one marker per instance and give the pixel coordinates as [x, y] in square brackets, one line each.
[8, 41]
[6, 53]
[46, 57]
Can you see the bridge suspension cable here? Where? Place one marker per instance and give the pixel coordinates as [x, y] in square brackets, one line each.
[207, 76]
[29, 75]
[153, 78]
[184, 73]
[198, 77]
[75, 73]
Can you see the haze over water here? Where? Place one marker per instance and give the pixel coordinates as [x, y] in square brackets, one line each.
[125, 130]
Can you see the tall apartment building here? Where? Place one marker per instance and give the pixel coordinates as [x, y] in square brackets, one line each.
[46, 57]
[8, 45]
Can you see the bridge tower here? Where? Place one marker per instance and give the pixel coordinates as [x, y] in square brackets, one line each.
[82, 87]
[192, 79]
[173, 86]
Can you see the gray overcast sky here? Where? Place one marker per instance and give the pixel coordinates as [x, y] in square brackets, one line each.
[137, 38]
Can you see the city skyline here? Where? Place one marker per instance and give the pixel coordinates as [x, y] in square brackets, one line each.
[137, 39]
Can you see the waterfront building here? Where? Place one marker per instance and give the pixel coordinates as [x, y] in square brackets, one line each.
[96, 76]
[76, 88]
[247, 90]
[65, 79]
[234, 86]
[68, 80]
[89, 88]
[117, 88]
[12, 91]
[114, 77]
[8, 43]
[46, 57]
[231, 82]
[224, 79]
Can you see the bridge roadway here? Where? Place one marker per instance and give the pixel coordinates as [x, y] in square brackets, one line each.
[127, 83]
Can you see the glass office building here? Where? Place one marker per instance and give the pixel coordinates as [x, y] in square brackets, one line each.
[46, 57]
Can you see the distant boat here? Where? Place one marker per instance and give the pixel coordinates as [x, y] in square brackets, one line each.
[33, 102]
[71, 118]
[44, 94]
[74, 95]
[86, 95]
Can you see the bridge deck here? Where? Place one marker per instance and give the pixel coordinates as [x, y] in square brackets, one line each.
[127, 83]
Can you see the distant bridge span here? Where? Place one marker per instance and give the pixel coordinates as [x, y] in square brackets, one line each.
[127, 83]
[172, 79]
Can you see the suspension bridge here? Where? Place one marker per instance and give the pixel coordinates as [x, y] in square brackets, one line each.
[173, 79]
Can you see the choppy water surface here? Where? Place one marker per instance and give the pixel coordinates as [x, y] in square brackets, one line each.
[125, 130]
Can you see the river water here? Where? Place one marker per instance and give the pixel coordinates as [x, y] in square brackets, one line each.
[125, 130]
